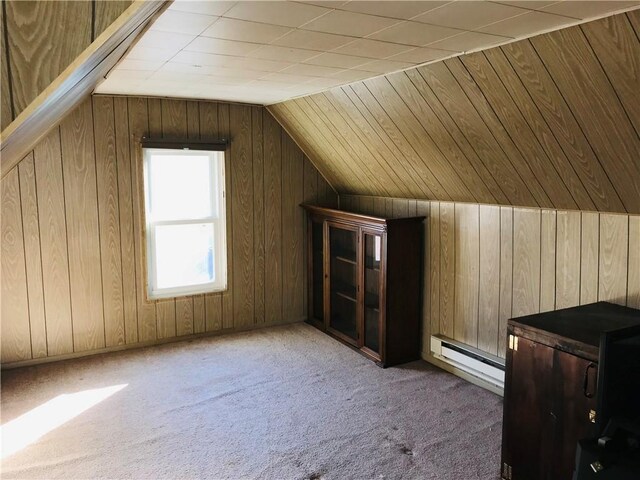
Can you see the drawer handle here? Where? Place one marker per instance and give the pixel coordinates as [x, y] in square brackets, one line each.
[587, 393]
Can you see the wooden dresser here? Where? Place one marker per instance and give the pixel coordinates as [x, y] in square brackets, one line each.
[364, 282]
[567, 373]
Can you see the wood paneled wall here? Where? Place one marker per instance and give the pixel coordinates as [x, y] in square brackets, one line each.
[484, 264]
[548, 122]
[71, 233]
[44, 37]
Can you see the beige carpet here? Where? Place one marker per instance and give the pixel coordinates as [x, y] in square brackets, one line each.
[280, 403]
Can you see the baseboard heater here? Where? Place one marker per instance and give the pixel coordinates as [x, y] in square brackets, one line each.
[469, 359]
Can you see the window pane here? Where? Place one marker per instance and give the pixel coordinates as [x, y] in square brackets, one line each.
[184, 255]
[180, 186]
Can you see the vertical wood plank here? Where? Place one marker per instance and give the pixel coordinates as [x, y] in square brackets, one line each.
[489, 283]
[422, 209]
[33, 260]
[258, 214]
[548, 260]
[526, 261]
[447, 268]
[400, 207]
[506, 276]
[467, 271]
[6, 114]
[633, 287]
[81, 206]
[589, 257]
[16, 337]
[568, 260]
[434, 266]
[614, 249]
[109, 219]
[224, 129]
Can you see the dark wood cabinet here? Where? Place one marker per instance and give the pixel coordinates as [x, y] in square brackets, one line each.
[562, 384]
[364, 282]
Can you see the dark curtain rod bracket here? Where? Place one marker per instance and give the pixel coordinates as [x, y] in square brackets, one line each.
[218, 144]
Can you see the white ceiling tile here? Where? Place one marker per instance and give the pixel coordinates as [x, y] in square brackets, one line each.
[221, 47]
[326, 82]
[128, 75]
[231, 29]
[414, 33]
[182, 22]
[385, 66]
[287, 14]
[467, 15]
[526, 25]
[200, 58]
[214, 8]
[286, 78]
[133, 64]
[259, 64]
[326, 3]
[421, 55]
[349, 23]
[171, 42]
[468, 41]
[586, 9]
[287, 54]
[529, 4]
[150, 54]
[372, 48]
[311, 70]
[352, 75]
[399, 9]
[337, 60]
[312, 40]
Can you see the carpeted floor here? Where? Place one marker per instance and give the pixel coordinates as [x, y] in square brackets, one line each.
[279, 403]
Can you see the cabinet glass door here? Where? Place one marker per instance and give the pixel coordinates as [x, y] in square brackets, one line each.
[316, 304]
[372, 244]
[343, 282]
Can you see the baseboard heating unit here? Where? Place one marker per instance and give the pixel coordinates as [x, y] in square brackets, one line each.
[469, 359]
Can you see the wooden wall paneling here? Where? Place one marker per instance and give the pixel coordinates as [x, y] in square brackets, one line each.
[125, 203]
[16, 337]
[376, 148]
[53, 244]
[467, 273]
[293, 262]
[400, 207]
[330, 196]
[423, 209]
[273, 218]
[395, 132]
[506, 277]
[366, 205]
[447, 269]
[518, 132]
[81, 207]
[526, 261]
[548, 255]
[504, 141]
[105, 14]
[310, 197]
[546, 138]
[358, 151]
[349, 103]
[243, 215]
[33, 259]
[193, 132]
[578, 75]
[138, 128]
[209, 130]
[614, 250]
[633, 284]
[553, 107]
[6, 114]
[442, 115]
[446, 88]
[419, 139]
[589, 257]
[568, 260]
[258, 212]
[379, 206]
[109, 219]
[434, 266]
[42, 43]
[224, 129]
[441, 136]
[489, 278]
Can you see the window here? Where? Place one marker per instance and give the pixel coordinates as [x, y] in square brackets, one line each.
[185, 220]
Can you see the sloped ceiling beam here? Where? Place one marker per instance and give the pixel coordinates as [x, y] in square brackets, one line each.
[74, 83]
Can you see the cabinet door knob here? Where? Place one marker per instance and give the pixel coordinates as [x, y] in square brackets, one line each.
[587, 393]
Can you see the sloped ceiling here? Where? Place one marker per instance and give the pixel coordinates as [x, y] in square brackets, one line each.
[552, 121]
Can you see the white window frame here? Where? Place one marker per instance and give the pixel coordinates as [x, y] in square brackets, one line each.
[217, 219]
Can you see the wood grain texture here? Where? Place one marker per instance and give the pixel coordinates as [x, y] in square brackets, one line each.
[6, 109]
[227, 296]
[447, 269]
[33, 259]
[568, 261]
[434, 267]
[106, 12]
[633, 285]
[467, 273]
[526, 261]
[548, 227]
[423, 208]
[489, 278]
[258, 212]
[506, 277]
[614, 250]
[16, 341]
[83, 234]
[589, 257]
